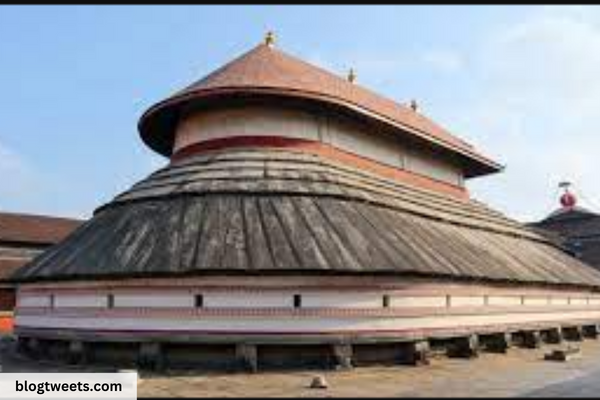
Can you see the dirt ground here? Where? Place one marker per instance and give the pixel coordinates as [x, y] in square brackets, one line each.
[521, 372]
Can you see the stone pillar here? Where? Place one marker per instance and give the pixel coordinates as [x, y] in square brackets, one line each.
[151, 356]
[34, 347]
[579, 333]
[22, 345]
[573, 333]
[590, 331]
[77, 352]
[532, 339]
[467, 347]
[247, 356]
[498, 342]
[419, 353]
[342, 354]
[508, 340]
[555, 335]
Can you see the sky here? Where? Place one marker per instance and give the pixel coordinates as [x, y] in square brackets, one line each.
[519, 82]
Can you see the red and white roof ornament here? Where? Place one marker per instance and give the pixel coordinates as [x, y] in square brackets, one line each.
[568, 200]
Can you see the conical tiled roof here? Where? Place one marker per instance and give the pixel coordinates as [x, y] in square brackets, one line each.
[265, 71]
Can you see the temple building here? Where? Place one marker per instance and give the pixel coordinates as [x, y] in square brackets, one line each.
[302, 218]
[575, 228]
[23, 237]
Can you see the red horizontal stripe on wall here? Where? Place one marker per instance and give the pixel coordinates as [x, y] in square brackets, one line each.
[329, 152]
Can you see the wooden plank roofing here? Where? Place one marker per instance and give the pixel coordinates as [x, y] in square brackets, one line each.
[270, 211]
[265, 71]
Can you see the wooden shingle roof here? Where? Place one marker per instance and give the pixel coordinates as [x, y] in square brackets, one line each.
[274, 211]
[576, 222]
[265, 71]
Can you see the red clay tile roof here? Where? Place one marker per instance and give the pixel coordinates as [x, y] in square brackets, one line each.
[266, 71]
[35, 229]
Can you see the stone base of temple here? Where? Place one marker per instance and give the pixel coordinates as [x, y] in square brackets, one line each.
[235, 353]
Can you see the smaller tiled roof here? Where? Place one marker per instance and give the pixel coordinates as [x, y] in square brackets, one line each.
[265, 71]
[576, 229]
[576, 222]
[35, 229]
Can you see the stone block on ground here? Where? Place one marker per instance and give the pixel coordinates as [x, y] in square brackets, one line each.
[563, 355]
[319, 382]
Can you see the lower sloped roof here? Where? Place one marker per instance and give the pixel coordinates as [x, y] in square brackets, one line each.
[274, 212]
[34, 229]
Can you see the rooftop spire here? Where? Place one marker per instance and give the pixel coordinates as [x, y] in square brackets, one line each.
[414, 105]
[568, 199]
[351, 75]
[270, 39]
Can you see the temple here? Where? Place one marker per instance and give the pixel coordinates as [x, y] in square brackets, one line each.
[301, 219]
[22, 238]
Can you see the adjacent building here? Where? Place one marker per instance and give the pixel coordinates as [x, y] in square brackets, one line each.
[575, 228]
[22, 238]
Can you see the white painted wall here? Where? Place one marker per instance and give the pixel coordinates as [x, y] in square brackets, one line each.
[343, 300]
[155, 301]
[578, 301]
[173, 310]
[84, 300]
[418, 301]
[248, 299]
[595, 302]
[244, 299]
[248, 121]
[467, 301]
[536, 301]
[298, 124]
[289, 324]
[33, 301]
[559, 301]
[504, 300]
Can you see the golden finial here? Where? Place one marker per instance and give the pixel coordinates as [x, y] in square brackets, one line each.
[351, 76]
[270, 39]
[413, 105]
